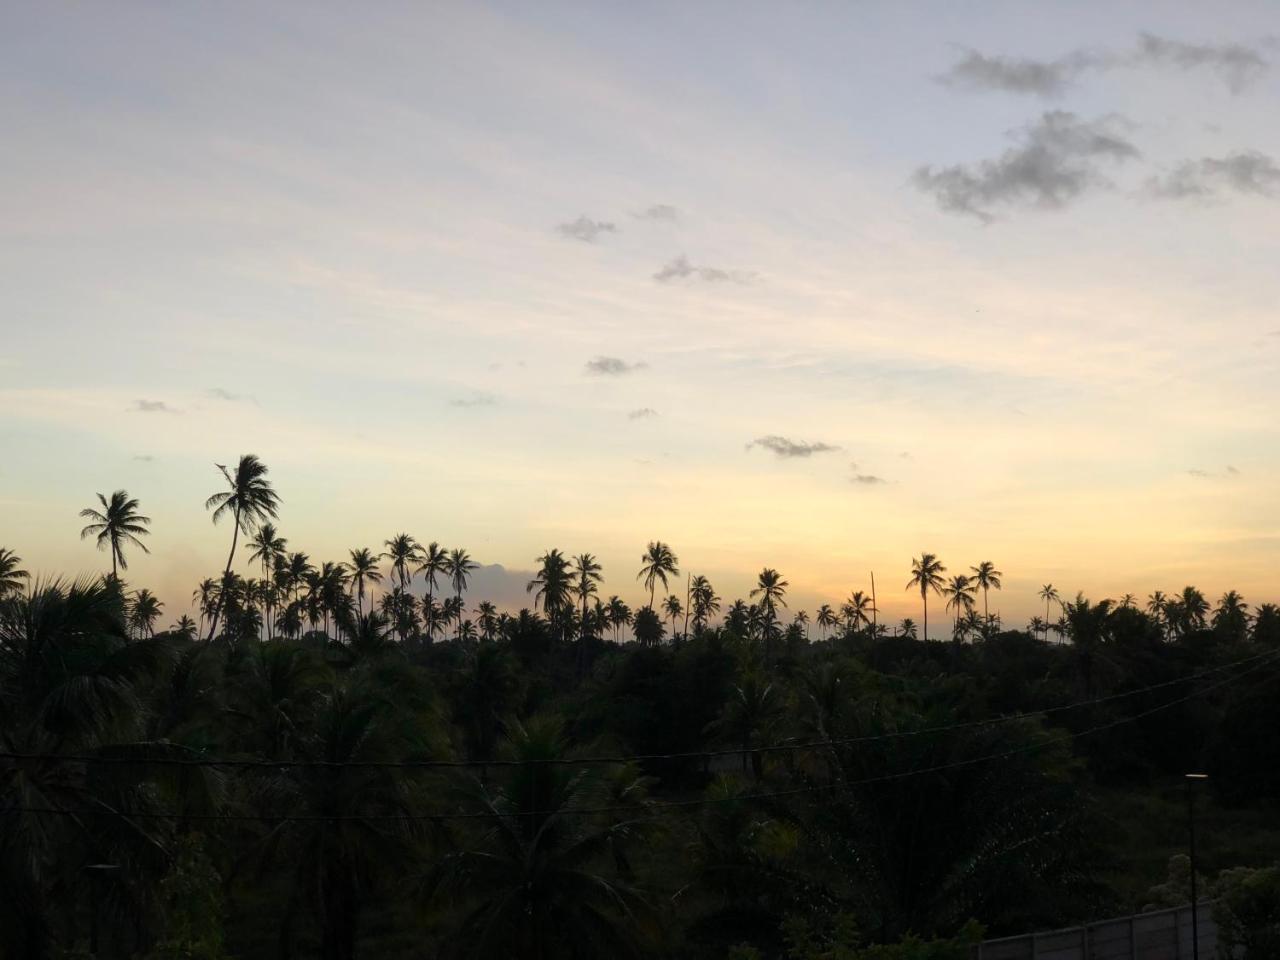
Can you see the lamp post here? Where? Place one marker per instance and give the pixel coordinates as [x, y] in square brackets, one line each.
[96, 871]
[1191, 779]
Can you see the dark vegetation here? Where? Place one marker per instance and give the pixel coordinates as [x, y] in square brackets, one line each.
[339, 759]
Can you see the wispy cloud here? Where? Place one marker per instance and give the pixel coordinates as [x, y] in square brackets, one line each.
[867, 479]
[1056, 160]
[659, 211]
[786, 448]
[681, 269]
[475, 400]
[585, 229]
[1229, 471]
[644, 413]
[613, 366]
[152, 406]
[1247, 172]
[1237, 65]
[144, 458]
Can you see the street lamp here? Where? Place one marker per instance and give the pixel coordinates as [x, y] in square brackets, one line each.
[1191, 779]
[96, 871]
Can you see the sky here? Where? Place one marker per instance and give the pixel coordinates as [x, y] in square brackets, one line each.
[812, 286]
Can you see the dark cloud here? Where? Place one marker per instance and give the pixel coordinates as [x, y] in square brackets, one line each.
[867, 479]
[659, 211]
[1055, 160]
[1236, 64]
[585, 229]
[475, 400]
[1247, 171]
[152, 406]
[786, 448]
[613, 366]
[644, 413]
[681, 269]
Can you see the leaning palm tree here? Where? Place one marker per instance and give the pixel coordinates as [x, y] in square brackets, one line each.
[435, 563]
[12, 576]
[251, 501]
[364, 569]
[926, 573]
[117, 523]
[460, 568]
[657, 564]
[985, 577]
[1049, 594]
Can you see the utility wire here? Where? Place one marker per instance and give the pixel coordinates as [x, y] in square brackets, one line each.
[656, 805]
[257, 763]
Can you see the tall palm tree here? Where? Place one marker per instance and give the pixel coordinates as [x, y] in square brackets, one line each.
[587, 578]
[117, 523]
[1231, 617]
[985, 577]
[364, 569]
[435, 563]
[12, 576]
[250, 500]
[855, 611]
[268, 549]
[619, 614]
[1049, 594]
[673, 608]
[704, 600]
[459, 569]
[1193, 609]
[772, 590]
[402, 551]
[826, 619]
[960, 595]
[802, 619]
[1158, 608]
[144, 612]
[487, 614]
[657, 564]
[926, 574]
[553, 586]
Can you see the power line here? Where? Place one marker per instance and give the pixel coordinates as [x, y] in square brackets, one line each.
[658, 805]
[609, 760]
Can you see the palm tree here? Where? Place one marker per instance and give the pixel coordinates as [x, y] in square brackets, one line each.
[802, 619]
[185, 627]
[268, 550]
[673, 608]
[553, 587]
[117, 523]
[364, 569]
[144, 612]
[487, 614]
[1049, 594]
[657, 564]
[985, 577]
[435, 563]
[826, 619]
[1193, 609]
[12, 576]
[704, 600]
[250, 500]
[926, 573]
[959, 593]
[618, 613]
[459, 569]
[586, 579]
[854, 610]
[1231, 617]
[1158, 608]
[772, 590]
[907, 628]
[402, 550]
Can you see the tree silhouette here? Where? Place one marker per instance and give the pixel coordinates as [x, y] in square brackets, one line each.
[618, 614]
[673, 608]
[459, 568]
[435, 563]
[116, 524]
[364, 569]
[926, 574]
[985, 578]
[1049, 594]
[269, 548]
[403, 551]
[772, 591]
[12, 576]
[825, 619]
[144, 612]
[959, 593]
[705, 602]
[657, 564]
[553, 586]
[250, 500]
[586, 580]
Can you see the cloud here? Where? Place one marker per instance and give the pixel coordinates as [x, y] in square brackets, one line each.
[1232, 471]
[786, 448]
[144, 458]
[1229, 471]
[1247, 171]
[644, 413]
[1055, 160]
[152, 406]
[475, 400]
[612, 366]
[681, 269]
[1236, 64]
[585, 229]
[867, 479]
[659, 211]
[1199, 473]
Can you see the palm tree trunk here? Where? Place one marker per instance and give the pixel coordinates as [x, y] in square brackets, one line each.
[925, 597]
[226, 575]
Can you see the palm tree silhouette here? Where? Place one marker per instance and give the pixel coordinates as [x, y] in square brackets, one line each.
[185, 627]
[402, 550]
[985, 577]
[364, 569]
[435, 563]
[907, 628]
[657, 564]
[1158, 608]
[586, 579]
[12, 576]
[250, 500]
[854, 610]
[959, 593]
[487, 615]
[704, 600]
[553, 587]
[673, 608]
[144, 612]
[1049, 594]
[268, 549]
[459, 570]
[826, 619]
[926, 573]
[772, 591]
[117, 523]
[618, 613]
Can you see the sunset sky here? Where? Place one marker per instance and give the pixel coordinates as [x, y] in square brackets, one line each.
[814, 286]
